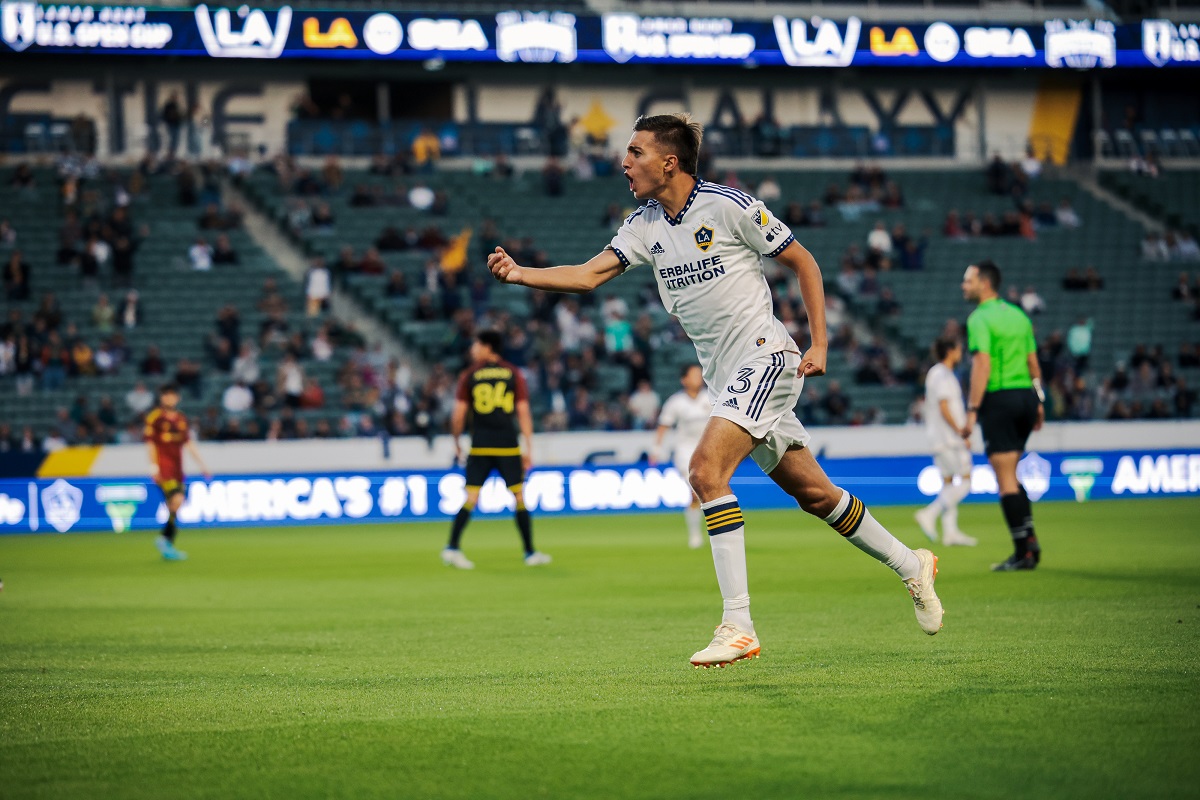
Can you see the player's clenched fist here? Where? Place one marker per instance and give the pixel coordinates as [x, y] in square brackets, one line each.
[503, 268]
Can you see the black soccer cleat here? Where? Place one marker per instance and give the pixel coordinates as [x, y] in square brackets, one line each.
[1015, 564]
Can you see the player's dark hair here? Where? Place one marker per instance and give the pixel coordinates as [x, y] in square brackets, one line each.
[491, 339]
[990, 272]
[677, 135]
[943, 346]
[168, 388]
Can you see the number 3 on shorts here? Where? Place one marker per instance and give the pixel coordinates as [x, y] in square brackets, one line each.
[741, 384]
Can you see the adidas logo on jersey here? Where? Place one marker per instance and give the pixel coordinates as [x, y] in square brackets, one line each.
[731, 403]
[657, 250]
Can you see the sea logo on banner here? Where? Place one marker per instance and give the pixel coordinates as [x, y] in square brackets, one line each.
[829, 47]
[255, 37]
[62, 503]
[536, 37]
[1081, 44]
[1164, 42]
[942, 42]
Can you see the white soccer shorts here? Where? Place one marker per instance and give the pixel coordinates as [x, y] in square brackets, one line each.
[760, 397]
[952, 461]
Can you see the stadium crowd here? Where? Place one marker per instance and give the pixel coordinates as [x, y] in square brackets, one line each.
[569, 347]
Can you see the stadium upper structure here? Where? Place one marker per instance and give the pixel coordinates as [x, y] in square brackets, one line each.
[740, 33]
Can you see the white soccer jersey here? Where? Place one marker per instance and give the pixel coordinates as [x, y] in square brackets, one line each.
[687, 416]
[942, 384]
[708, 262]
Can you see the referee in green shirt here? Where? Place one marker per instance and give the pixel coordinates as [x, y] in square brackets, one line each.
[1006, 398]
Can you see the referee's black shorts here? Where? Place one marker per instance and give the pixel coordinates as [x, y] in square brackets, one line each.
[509, 467]
[1007, 418]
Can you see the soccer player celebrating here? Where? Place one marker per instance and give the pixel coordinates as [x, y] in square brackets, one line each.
[945, 418]
[166, 436]
[687, 412]
[706, 243]
[1006, 398]
[493, 392]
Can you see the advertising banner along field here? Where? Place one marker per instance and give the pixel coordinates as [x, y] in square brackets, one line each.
[614, 38]
[63, 505]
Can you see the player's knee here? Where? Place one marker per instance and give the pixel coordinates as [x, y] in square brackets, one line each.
[705, 479]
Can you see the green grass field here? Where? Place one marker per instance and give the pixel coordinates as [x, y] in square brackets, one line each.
[347, 662]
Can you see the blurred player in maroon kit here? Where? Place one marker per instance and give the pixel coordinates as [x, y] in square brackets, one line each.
[166, 436]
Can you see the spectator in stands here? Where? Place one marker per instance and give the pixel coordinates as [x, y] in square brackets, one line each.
[643, 406]
[171, 116]
[1094, 282]
[223, 252]
[426, 150]
[322, 219]
[152, 364]
[1065, 215]
[1079, 342]
[835, 404]
[1030, 165]
[768, 190]
[1189, 356]
[1031, 301]
[200, 255]
[313, 396]
[8, 234]
[1183, 288]
[892, 196]
[53, 441]
[372, 263]
[1154, 248]
[441, 204]
[887, 305]
[1074, 281]
[1183, 399]
[397, 285]
[22, 177]
[997, 176]
[420, 196]
[912, 254]
[391, 240]
[16, 278]
[139, 399]
[765, 136]
[237, 398]
[83, 358]
[318, 286]
[1186, 247]
[289, 381]
[270, 299]
[56, 360]
[49, 312]
[794, 216]
[879, 240]
[553, 178]
[188, 375]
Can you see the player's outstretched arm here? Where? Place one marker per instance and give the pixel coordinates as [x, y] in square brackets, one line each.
[195, 453]
[574, 279]
[812, 290]
[525, 421]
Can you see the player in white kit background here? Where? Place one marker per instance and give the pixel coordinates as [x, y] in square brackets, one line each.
[946, 426]
[706, 243]
[686, 413]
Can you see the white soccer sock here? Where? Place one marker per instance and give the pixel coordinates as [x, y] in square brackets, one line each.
[956, 494]
[691, 515]
[727, 536]
[854, 522]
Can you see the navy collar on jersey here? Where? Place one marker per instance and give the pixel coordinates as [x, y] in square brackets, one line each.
[678, 218]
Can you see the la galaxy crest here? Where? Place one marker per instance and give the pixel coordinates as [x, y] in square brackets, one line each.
[704, 237]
